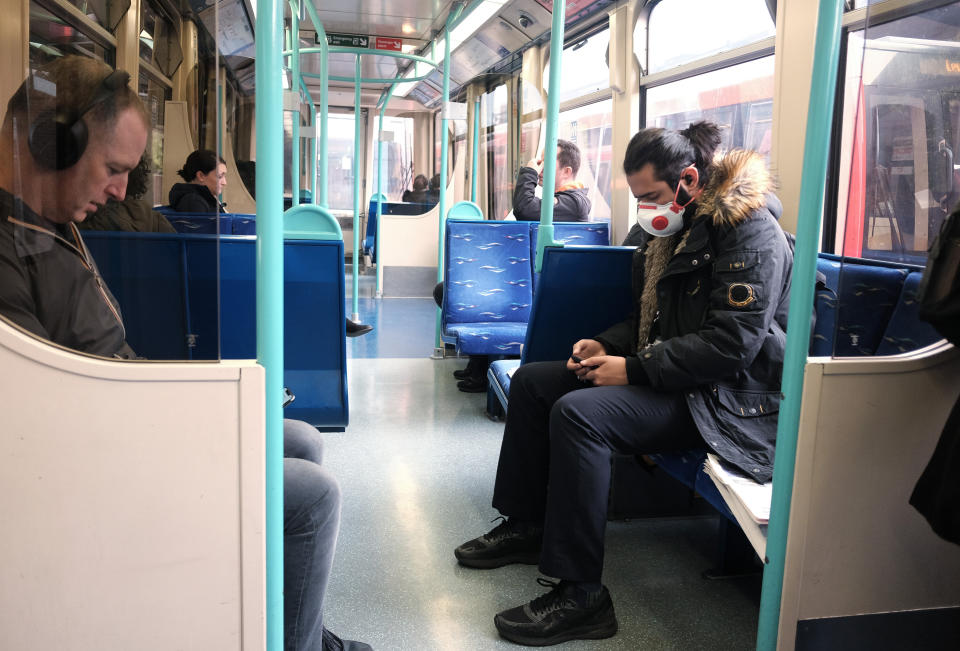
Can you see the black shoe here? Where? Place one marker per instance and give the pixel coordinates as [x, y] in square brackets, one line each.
[564, 613]
[475, 368]
[508, 542]
[333, 643]
[357, 329]
[473, 385]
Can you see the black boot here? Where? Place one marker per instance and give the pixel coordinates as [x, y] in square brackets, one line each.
[357, 329]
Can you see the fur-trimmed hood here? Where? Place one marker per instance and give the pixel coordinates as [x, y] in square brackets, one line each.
[739, 184]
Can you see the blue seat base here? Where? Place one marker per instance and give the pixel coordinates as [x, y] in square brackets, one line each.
[492, 338]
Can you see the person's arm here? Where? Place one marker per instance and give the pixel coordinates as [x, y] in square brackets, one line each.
[161, 224]
[526, 205]
[16, 301]
[753, 254]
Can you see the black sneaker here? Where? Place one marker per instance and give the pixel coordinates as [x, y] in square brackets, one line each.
[333, 643]
[564, 613]
[508, 542]
[463, 373]
[473, 385]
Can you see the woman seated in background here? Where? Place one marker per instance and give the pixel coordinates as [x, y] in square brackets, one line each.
[205, 174]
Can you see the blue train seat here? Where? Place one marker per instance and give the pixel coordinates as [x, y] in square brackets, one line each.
[487, 286]
[176, 290]
[488, 280]
[571, 276]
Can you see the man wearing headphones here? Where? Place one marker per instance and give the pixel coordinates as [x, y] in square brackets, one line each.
[73, 131]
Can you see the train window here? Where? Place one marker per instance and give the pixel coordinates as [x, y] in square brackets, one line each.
[397, 165]
[739, 99]
[590, 128]
[901, 129]
[700, 28]
[340, 170]
[585, 68]
[106, 13]
[495, 151]
[52, 35]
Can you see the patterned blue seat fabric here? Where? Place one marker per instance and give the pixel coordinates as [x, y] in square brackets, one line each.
[487, 286]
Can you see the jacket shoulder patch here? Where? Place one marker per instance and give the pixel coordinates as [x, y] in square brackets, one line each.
[741, 294]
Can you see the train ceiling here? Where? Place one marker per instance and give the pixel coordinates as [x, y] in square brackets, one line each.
[498, 29]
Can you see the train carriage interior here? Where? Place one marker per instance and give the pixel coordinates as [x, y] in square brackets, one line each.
[368, 163]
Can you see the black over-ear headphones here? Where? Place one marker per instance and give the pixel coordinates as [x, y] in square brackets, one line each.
[59, 138]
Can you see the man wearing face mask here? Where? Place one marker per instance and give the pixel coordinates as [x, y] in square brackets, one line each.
[697, 365]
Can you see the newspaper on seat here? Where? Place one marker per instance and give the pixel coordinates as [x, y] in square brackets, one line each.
[748, 501]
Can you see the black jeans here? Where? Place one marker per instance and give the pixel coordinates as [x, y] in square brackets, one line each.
[556, 453]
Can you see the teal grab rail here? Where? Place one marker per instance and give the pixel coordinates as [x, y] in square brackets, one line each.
[295, 88]
[357, 137]
[269, 114]
[376, 236]
[812, 189]
[545, 236]
[444, 122]
[476, 150]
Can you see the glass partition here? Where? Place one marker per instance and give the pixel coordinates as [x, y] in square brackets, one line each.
[896, 181]
[87, 262]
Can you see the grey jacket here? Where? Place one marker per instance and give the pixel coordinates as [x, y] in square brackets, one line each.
[50, 285]
[718, 313]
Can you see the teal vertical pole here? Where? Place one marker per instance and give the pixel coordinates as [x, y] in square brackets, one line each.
[269, 247]
[812, 189]
[377, 242]
[357, 141]
[313, 141]
[545, 236]
[295, 88]
[476, 150]
[322, 126]
[444, 111]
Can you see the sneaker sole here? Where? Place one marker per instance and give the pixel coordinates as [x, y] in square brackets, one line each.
[592, 632]
[529, 558]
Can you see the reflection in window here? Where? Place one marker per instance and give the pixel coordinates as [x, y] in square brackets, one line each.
[52, 37]
[901, 129]
[158, 39]
[154, 95]
[340, 172]
[585, 67]
[590, 128]
[397, 166]
[680, 31]
[739, 99]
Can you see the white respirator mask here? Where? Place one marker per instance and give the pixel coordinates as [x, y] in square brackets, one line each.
[663, 219]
